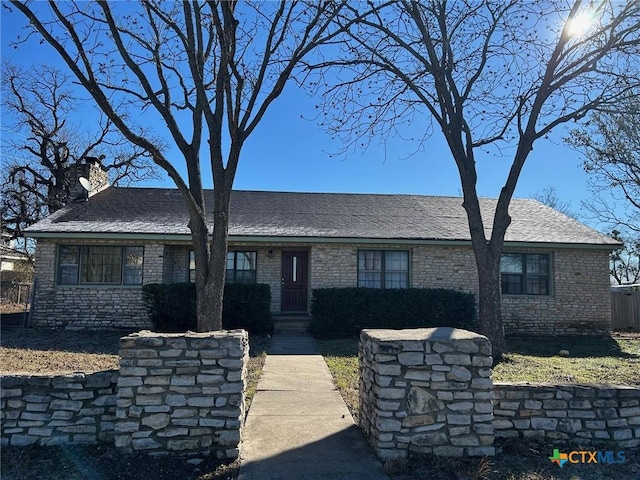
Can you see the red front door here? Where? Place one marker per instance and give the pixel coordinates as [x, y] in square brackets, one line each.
[294, 281]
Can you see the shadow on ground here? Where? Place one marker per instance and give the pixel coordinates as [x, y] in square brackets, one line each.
[106, 342]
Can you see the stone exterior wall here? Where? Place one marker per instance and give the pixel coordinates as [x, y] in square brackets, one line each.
[182, 393]
[95, 306]
[580, 301]
[568, 414]
[53, 410]
[426, 391]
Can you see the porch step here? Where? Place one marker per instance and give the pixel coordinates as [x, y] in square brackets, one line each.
[291, 323]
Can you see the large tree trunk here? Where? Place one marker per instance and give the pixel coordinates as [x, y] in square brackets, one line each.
[489, 300]
[211, 263]
[487, 254]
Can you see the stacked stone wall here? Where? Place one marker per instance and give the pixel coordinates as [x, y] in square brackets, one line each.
[568, 414]
[105, 307]
[426, 391]
[579, 302]
[53, 410]
[182, 393]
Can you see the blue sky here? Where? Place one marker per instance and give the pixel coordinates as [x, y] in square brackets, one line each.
[290, 153]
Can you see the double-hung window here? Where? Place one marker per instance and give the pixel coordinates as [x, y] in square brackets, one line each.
[383, 268]
[525, 273]
[241, 267]
[100, 265]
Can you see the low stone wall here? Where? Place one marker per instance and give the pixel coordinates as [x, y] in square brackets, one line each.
[52, 410]
[426, 391]
[182, 393]
[568, 414]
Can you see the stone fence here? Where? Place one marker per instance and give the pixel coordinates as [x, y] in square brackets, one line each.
[430, 391]
[182, 392]
[51, 410]
[556, 414]
[174, 393]
[426, 390]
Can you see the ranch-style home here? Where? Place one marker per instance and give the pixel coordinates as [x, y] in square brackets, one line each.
[94, 255]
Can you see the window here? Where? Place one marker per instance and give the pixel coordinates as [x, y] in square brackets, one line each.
[241, 267]
[383, 268]
[100, 264]
[525, 274]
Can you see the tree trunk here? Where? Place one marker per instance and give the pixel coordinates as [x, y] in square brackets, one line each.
[211, 268]
[489, 301]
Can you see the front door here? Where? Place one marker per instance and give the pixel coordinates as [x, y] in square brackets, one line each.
[294, 281]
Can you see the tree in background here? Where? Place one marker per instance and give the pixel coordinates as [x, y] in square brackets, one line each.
[549, 197]
[207, 72]
[491, 77]
[45, 144]
[610, 143]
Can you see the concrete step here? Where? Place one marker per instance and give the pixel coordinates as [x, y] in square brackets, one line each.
[291, 324]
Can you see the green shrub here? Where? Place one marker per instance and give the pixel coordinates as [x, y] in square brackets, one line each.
[172, 307]
[343, 312]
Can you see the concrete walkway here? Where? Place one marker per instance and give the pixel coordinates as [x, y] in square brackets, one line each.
[298, 426]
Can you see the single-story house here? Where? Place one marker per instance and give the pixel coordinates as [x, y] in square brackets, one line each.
[94, 255]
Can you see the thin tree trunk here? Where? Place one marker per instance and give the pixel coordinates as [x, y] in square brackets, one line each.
[218, 259]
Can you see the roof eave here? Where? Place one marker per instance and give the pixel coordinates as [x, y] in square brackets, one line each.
[180, 237]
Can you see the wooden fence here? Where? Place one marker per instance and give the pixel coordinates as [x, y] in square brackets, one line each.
[625, 308]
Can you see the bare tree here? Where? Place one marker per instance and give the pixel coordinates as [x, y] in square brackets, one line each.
[492, 77]
[207, 70]
[625, 261]
[45, 144]
[610, 143]
[549, 196]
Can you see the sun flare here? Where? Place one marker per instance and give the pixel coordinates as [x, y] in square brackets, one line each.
[579, 24]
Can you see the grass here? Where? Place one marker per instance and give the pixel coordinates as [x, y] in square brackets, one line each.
[614, 360]
[29, 351]
[591, 360]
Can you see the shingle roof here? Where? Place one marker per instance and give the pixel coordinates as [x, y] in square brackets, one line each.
[331, 215]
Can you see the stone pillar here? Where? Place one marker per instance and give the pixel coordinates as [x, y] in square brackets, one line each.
[426, 390]
[182, 393]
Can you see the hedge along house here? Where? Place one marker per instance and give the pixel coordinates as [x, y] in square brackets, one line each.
[93, 256]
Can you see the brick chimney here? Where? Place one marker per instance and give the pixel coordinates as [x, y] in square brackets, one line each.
[90, 169]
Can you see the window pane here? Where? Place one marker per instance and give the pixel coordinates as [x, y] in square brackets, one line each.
[68, 257]
[133, 256]
[68, 276]
[245, 260]
[370, 260]
[537, 284]
[241, 267]
[192, 266]
[511, 263]
[370, 280]
[231, 260]
[101, 264]
[133, 263]
[396, 261]
[396, 280]
[537, 264]
[512, 284]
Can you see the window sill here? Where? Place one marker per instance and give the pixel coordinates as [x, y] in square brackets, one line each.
[100, 285]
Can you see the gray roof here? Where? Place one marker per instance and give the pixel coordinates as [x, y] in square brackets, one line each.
[156, 211]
